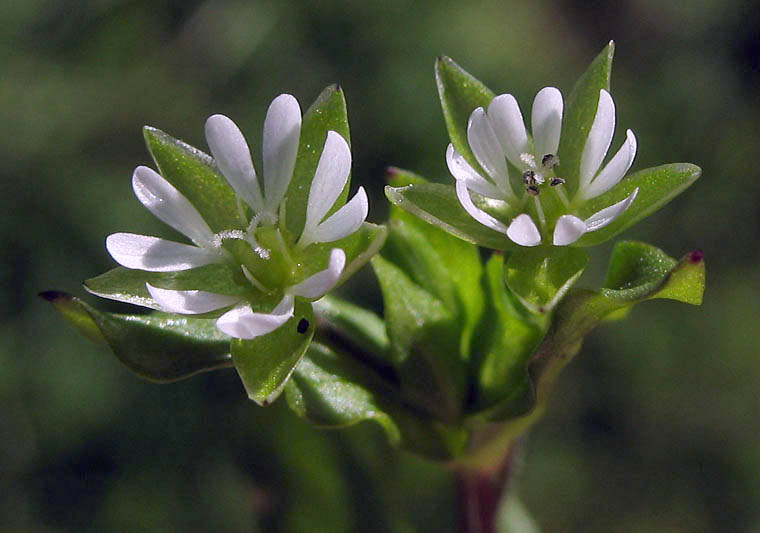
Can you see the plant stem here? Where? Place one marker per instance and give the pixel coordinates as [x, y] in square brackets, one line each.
[481, 492]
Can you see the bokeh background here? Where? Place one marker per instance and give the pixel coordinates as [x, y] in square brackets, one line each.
[655, 427]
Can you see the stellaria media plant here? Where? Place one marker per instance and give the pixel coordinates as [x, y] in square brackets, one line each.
[460, 364]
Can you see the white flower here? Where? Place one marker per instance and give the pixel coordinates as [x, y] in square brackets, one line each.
[241, 321]
[282, 128]
[498, 136]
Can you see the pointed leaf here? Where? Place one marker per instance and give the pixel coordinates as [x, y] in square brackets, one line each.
[127, 285]
[460, 94]
[438, 204]
[540, 277]
[424, 342]
[580, 110]
[504, 344]
[327, 113]
[334, 390]
[265, 363]
[158, 347]
[195, 175]
[657, 186]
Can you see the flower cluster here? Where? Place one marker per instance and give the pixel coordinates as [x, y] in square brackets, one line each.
[498, 139]
[262, 213]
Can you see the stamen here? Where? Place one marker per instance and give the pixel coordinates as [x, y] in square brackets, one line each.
[557, 181]
[532, 190]
[529, 177]
[285, 251]
[549, 161]
[540, 212]
[241, 210]
[528, 159]
[562, 196]
[256, 283]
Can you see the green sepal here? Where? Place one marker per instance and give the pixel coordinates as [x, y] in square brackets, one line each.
[541, 276]
[196, 176]
[128, 285]
[363, 328]
[158, 347]
[579, 113]
[424, 339]
[657, 186]
[266, 362]
[327, 113]
[333, 390]
[460, 93]
[438, 204]
[503, 344]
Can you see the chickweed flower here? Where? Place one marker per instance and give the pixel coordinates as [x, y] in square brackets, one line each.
[499, 140]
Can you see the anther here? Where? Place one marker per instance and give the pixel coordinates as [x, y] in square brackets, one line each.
[529, 177]
[549, 161]
[557, 181]
[532, 190]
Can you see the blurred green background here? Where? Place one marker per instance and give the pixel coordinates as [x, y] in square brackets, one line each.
[655, 427]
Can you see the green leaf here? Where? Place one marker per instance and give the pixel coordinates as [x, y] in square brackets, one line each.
[438, 204]
[195, 175]
[265, 363]
[424, 342]
[541, 276]
[334, 390]
[159, 347]
[580, 110]
[460, 94]
[446, 267]
[127, 285]
[504, 344]
[657, 186]
[360, 326]
[327, 113]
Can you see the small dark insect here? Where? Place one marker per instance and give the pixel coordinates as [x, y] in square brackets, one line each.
[557, 181]
[303, 325]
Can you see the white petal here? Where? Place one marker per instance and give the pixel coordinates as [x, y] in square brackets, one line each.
[601, 218]
[523, 231]
[342, 223]
[599, 139]
[317, 285]
[329, 179]
[546, 122]
[282, 129]
[614, 170]
[233, 158]
[242, 323]
[169, 206]
[461, 170]
[190, 302]
[487, 149]
[569, 229]
[478, 214]
[508, 124]
[157, 255]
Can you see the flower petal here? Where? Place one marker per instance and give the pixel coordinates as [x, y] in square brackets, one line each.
[601, 218]
[242, 323]
[508, 124]
[463, 193]
[317, 285]
[189, 302]
[282, 129]
[233, 158]
[523, 231]
[461, 170]
[487, 149]
[169, 206]
[614, 170]
[342, 223]
[599, 139]
[546, 121]
[329, 179]
[157, 255]
[569, 229]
